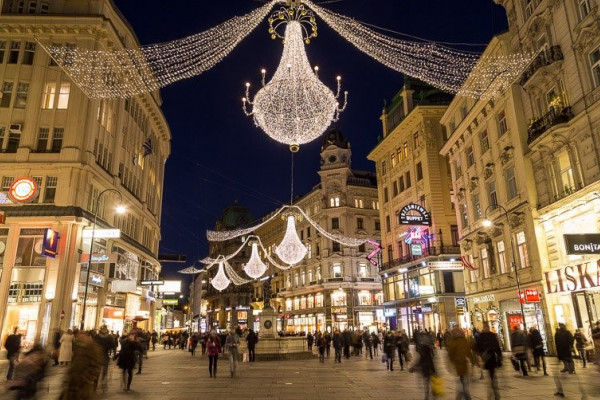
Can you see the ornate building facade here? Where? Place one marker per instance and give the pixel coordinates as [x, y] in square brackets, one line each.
[335, 286]
[74, 149]
[421, 271]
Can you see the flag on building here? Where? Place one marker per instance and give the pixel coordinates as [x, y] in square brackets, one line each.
[148, 146]
[467, 264]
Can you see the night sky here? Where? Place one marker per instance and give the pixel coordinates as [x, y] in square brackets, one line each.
[219, 156]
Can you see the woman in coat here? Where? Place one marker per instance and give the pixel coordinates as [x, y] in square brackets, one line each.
[66, 348]
[389, 347]
[213, 348]
[126, 359]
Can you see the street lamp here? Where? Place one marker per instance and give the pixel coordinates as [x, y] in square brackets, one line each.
[488, 223]
[120, 209]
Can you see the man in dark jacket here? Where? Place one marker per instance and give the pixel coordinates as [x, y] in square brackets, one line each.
[518, 341]
[13, 346]
[564, 345]
[537, 348]
[402, 342]
[366, 338]
[347, 340]
[488, 348]
[251, 340]
[338, 342]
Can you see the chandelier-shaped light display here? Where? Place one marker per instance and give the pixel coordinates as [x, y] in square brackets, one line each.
[291, 250]
[220, 280]
[295, 107]
[255, 268]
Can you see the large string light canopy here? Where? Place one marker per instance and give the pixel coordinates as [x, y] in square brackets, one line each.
[295, 107]
[121, 73]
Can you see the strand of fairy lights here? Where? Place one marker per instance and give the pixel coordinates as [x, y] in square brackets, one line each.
[126, 72]
[440, 66]
[295, 107]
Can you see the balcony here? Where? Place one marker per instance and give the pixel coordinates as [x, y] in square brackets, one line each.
[543, 59]
[427, 252]
[552, 118]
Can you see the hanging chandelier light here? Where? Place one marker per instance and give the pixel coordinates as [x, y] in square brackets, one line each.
[255, 268]
[220, 280]
[291, 250]
[295, 107]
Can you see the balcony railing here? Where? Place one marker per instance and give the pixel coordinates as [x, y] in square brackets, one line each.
[427, 252]
[543, 59]
[553, 117]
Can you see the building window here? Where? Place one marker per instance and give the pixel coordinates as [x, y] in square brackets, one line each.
[470, 156]
[49, 96]
[403, 152]
[14, 138]
[7, 181]
[375, 205]
[485, 263]
[464, 215]
[522, 250]
[502, 123]
[511, 183]
[395, 188]
[386, 197]
[57, 139]
[457, 169]
[387, 223]
[50, 191]
[296, 279]
[401, 184]
[377, 225]
[493, 196]
[32, 7]
[595, 65]
[2, 50]
[337, 270]
[454, 234]
[584, 8]
[359, 203]
[419, 171]
[335, 223]
[336, 247]
[501, 257]
[408, 182]
[44, 8]
[310, 276]
[63, 96]
[21, 98]
[309, 251]
[361, 248]
[29, 53]
[334, 202]
[393, 159]
[416, 140]
[529, 6]
[383, 168]
[42, 142]
[7, 88]
[338, 298]
[362, 270]
[485, 141]
[308, 232]
[360, 223]
[15, 48]
[566, 173]
[303, 278]
[476, 207]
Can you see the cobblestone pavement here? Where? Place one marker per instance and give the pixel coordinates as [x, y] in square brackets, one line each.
[175, 374]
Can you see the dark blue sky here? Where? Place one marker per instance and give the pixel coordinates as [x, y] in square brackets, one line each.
[219, 156]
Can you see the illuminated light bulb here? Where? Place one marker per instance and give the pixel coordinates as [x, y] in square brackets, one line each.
[294, 107]
[220, 280]
[291, 250]
[255, 268]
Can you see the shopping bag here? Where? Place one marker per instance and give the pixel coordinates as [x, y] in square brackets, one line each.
[436, 386]
[246, 357]
[384, 358]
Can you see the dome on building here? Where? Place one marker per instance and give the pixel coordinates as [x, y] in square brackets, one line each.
[235, 216]
[334, 137]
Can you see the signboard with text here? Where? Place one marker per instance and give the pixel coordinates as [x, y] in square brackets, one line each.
[50, 243]
[585, 243]
[414, 214]
[170, 302]
[445, 265]
[102, 233]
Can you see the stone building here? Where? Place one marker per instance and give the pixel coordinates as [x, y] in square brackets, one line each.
[335, 286]
[421, 271]
[73, 149]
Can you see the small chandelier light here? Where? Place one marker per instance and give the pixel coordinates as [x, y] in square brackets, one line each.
[291, 250]
[255, 268]
[220, 280]
[295, 107]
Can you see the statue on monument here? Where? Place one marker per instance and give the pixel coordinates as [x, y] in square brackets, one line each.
[267, 294]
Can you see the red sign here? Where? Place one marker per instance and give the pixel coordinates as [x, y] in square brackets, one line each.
[514, 321]
[23, 190]
[532, 295]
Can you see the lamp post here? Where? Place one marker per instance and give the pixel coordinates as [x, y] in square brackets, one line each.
[120, 210]
[488, 223]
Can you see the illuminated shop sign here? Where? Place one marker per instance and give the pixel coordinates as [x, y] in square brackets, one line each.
[573, 278]
[50, 243]
[586, 243]
[102, 233]
[416, 249]
[483, 299]
[460, 301]
[445, 265]
[23, 190]
[170, 302]
[414, 214]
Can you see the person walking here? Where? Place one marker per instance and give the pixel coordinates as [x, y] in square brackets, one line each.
[232, 343]
[309, 341]
[389, 347]
[537, 348]
[375, 341]
[105, 342]
[518, 340]
[347, 337]
[126, 359]
[488, 348]
[328, 343]
[461, 356]
[366, 338]
[13, 347]
[56, 345]
[564, 344]
[213, 349]
[338, 343]
[424, 364]
[581, 341]
[66, 348]
[85, 368]
[251, 340]
[440, 339]
[321, 344]
[402, 343]
[154, 339]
